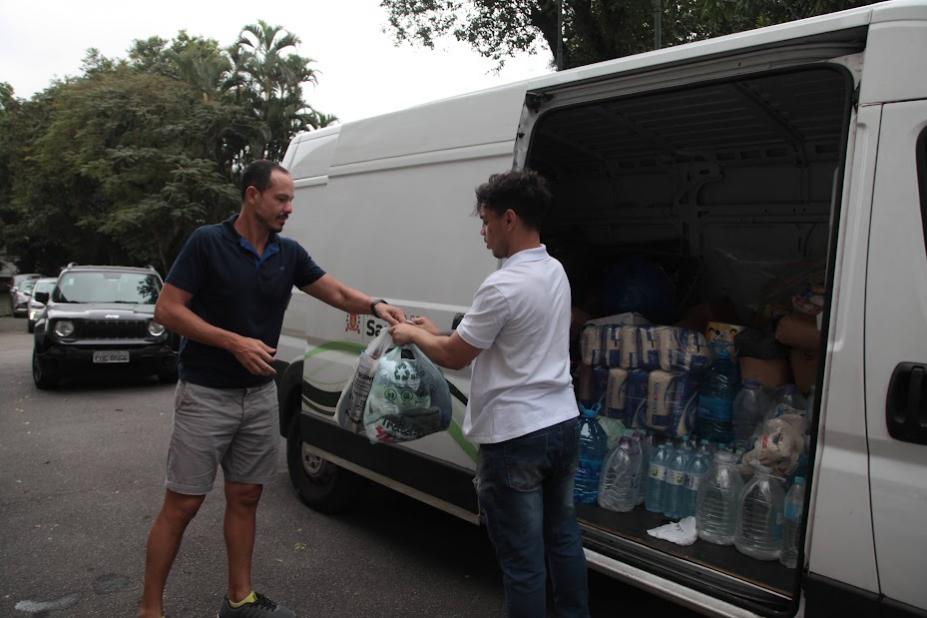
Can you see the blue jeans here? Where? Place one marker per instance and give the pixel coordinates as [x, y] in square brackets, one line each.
[525, 488]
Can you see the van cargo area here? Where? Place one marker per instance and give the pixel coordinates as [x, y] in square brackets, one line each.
[708, 208]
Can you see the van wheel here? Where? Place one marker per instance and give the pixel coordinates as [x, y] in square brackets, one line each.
[44, 376]
[320, 484]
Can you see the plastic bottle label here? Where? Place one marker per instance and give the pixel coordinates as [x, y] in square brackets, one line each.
[676, 477]
[657, 472]
[792, 511]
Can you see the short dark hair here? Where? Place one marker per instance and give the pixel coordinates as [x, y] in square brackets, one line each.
[257, 175]
[524, 191]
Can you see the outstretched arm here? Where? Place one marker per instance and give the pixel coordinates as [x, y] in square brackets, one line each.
[448, 351]
[331, 291]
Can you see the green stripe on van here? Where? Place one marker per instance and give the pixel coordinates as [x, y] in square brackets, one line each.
[454, 430]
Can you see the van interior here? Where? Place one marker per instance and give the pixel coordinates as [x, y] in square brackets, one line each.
[725, 194]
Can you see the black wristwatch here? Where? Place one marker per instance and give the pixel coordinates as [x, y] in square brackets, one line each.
[373, 307]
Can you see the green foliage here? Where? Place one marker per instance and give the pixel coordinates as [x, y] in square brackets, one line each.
[120, 164]
[593, 30]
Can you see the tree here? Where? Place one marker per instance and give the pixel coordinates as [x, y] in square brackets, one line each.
[269, 77]
[119, 164]
[593, 30]
[121, 171]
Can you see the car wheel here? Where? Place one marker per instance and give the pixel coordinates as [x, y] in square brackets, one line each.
[43, 374]
[30, 327]
[168, 376]
[320, 484]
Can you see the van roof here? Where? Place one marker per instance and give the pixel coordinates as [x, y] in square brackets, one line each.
[489, 116]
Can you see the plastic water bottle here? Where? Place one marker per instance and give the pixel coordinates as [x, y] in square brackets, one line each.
[717, 501]
[698, 467]
[750, 405]
[759, 528]
[656, 478]
[714, 419]
[674, 497]
[646, 451]
[593, 446]
[785, 397]
[791, 527]
[637, 458]
[618, 489]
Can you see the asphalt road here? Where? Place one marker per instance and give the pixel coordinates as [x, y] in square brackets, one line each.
[82, 470]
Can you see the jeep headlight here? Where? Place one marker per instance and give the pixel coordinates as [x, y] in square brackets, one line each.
[32, 314]
[64, 328]
[155, 329]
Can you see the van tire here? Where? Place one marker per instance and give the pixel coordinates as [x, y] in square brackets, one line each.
[320, 484]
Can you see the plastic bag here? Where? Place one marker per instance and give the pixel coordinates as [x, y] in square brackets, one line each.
[778, 444]
[350, 409]
[409, 398]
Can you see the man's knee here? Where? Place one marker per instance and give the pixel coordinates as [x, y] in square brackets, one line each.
[243, 495]
[179, 509]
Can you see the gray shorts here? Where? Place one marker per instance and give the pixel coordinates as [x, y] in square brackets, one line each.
[235, 427]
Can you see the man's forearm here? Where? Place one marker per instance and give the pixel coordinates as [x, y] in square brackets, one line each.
[181, 320]
[435, 347]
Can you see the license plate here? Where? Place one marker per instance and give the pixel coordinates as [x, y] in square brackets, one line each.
[111, 356]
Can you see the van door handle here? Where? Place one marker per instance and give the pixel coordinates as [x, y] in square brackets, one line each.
[906, 404]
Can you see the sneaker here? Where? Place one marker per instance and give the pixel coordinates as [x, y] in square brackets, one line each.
[261, 607]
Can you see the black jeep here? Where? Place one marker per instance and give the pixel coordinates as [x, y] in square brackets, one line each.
[100, 316]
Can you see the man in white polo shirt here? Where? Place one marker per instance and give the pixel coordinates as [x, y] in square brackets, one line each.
[522, 410]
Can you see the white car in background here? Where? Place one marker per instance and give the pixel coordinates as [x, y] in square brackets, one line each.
[34, 307]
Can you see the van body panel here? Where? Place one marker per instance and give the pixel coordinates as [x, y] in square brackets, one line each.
[896, 331]
[840, 501]
[896, 49]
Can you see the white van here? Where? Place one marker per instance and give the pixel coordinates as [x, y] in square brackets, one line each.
[804, 143]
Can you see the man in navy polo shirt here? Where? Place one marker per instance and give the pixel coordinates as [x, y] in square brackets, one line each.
[226, 294]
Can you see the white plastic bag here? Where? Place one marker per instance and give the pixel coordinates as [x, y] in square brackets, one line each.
[350, 408]
[409, 398]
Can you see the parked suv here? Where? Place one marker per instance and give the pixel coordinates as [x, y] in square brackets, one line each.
[101, 316]
[21, 292]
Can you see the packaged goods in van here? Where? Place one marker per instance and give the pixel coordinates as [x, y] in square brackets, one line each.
[616, 396]
[680, 349]
[600, 338]
[636, 396]
[409, 398]
[798, 331]
[671, 403]
[721, 335]
[592, 385]
[809, 300]
[350, 408]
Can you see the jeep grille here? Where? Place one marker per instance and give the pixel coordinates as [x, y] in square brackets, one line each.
[110, 329]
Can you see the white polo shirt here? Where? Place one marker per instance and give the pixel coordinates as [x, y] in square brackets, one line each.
[520, 318]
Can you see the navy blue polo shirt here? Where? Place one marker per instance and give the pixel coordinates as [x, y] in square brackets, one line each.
[238, 290]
